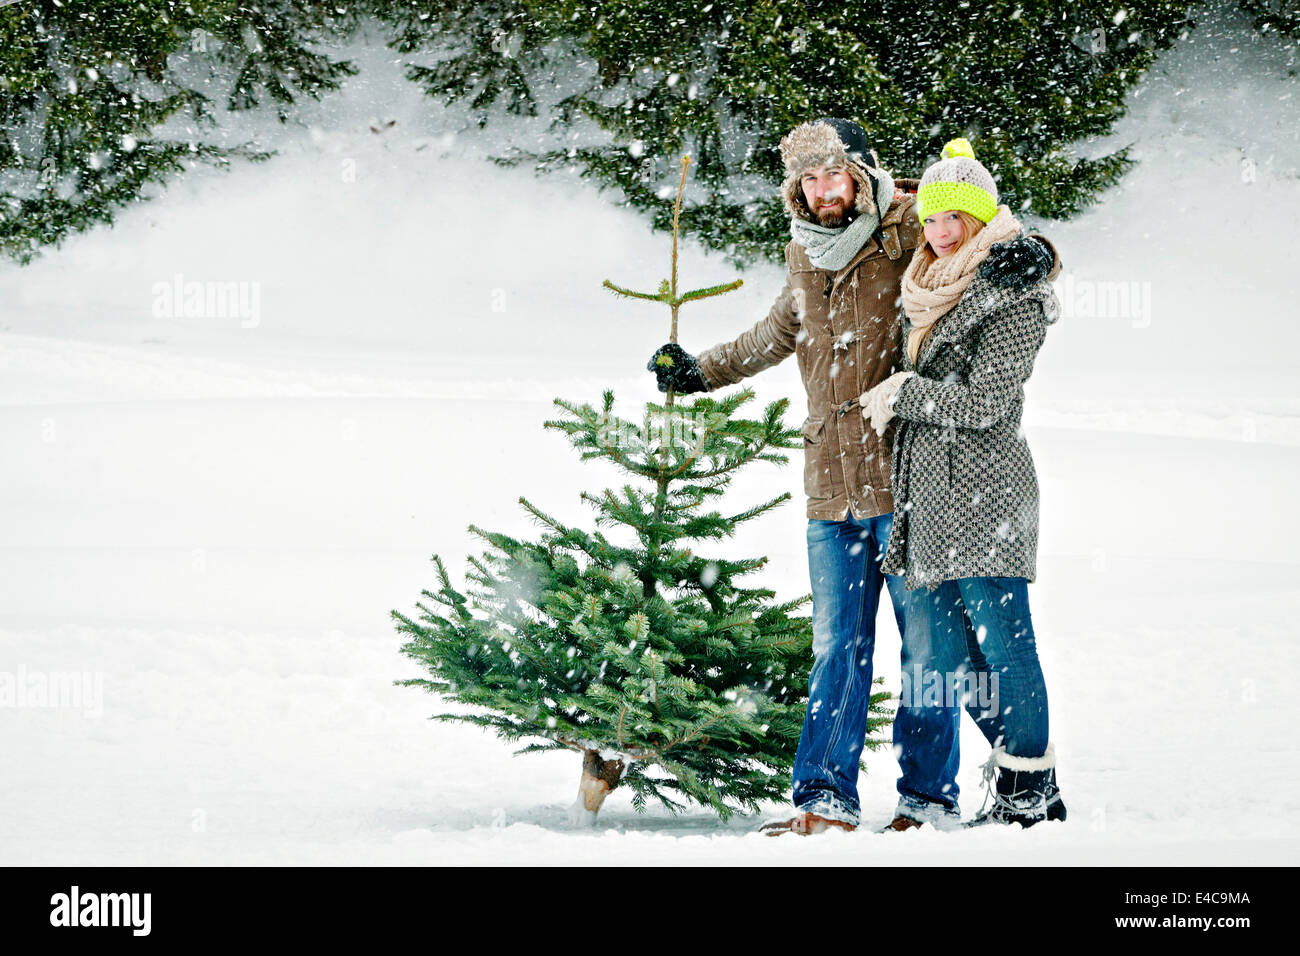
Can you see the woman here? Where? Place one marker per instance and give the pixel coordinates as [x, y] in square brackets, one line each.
[965, 530]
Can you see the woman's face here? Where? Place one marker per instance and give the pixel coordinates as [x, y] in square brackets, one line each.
[945, 232]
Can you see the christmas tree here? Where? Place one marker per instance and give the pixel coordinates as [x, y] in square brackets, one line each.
[649, 659]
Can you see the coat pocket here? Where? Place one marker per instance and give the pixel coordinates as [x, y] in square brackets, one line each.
[816, 471]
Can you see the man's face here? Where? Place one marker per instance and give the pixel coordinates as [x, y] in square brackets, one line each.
[829, 192]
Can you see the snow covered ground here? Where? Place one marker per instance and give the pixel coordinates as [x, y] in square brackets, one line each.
[212, 515]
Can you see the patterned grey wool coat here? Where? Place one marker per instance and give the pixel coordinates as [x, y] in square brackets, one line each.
[964, 488]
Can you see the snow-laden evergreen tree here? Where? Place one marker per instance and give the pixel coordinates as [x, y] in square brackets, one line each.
[99, 100]
[642, 649]
[1279, 17]
[1027, 79]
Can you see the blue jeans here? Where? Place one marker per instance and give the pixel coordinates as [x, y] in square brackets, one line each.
[844, 564]
[969, 642]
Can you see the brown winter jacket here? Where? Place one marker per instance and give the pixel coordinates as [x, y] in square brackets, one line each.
[846, 330]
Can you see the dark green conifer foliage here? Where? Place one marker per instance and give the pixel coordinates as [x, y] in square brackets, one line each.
[1024, 80]
[98, 100]
[1279, 17]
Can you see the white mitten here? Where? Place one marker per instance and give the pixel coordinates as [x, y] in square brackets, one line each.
[878, 403]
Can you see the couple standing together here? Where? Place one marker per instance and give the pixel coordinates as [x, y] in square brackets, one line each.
[916, 472]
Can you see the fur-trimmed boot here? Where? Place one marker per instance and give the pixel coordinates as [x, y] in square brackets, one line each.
[1024, 791]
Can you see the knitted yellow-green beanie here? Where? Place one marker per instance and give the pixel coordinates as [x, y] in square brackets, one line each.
[958, 181]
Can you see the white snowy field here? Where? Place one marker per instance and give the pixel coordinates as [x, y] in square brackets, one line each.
[212, 516]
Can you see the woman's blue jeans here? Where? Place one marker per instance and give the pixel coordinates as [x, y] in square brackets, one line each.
[969, 642]
[844, 564]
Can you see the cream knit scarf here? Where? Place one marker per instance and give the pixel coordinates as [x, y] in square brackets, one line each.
[933, 287]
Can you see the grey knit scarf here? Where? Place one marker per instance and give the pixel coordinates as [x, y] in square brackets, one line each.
[831, 247]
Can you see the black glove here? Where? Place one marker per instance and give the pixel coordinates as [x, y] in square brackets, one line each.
[1017, 263]
[675, 368]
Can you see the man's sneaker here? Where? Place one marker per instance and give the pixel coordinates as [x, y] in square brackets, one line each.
[803, 823]
[1024, 792]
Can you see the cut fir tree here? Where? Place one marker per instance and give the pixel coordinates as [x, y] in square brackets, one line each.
[654, 662]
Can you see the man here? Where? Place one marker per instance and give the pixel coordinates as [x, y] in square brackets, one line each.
[853, 230]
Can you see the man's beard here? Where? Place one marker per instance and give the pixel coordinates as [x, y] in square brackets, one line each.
[838, 215]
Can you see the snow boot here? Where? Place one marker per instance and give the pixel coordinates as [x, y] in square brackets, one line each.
[1024, 791]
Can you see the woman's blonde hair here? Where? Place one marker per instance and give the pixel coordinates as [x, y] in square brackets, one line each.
[970, 229]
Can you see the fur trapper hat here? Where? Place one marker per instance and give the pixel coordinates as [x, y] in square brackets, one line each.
[829, 141]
